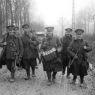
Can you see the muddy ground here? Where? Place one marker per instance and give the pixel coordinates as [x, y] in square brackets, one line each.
[38, 85]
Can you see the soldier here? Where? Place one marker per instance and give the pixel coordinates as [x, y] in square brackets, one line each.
[78, 50]
[16, 31]
[54, 65]
[30, 51]
[3, 53]
[66, 40]
[20, 45]
[35, 51]
[11, 50]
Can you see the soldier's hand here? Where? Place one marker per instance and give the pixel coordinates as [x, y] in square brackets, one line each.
[85, 47]
[20, 57]
[39, 61]
[59, 49]
[76, 57]
[5, 43]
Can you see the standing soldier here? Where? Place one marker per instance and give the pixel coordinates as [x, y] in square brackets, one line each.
[78, 50]
[20, 46]
[35, 51]
[16, 31]
[30, 52]
[3, 52]
[51, 62]
[66, 40]
[11, 50]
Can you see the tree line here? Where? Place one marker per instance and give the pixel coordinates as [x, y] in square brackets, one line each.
[15, 12]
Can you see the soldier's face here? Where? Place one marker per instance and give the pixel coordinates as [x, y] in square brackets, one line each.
[26, 30]
[78, 36]
[68, 34]
[30, 34]
[50, 35]
[11, 31]
[17, 32]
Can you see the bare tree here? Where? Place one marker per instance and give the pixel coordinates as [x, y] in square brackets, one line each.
[85, 17]
[16, 12]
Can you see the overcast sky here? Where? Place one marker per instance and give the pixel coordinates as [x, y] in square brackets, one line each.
[51, 10]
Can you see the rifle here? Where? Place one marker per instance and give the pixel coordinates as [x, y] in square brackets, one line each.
[74, 57]
[71, 62]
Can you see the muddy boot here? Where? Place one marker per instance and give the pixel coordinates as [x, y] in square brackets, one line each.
[0, 65]
[68, 76]
[28, 78]
[33, 72]
[11, 80]
[63, 71]
[12, 72]
[12, 77]
[49, 78]
[82, 82]
[49, 83]
[74, 80]
[36, 67]
[68, 73]
[54, 77]
[28, 74]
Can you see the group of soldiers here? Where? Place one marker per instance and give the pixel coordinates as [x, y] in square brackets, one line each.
[74, 55]
[19, 50]
[55, 54]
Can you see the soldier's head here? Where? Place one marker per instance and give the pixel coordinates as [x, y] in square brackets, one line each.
[49, 29]
[79, 33]
[49, 32]
[68, 31]
[16, 30]
[10, 29]
[26, 28]
[32, 33]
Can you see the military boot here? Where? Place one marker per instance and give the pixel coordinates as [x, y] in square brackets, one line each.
[74, 80]
[33, 72]
[54, 77]
[28, 74]
[12, 77]
[49, 78]
[12, 72]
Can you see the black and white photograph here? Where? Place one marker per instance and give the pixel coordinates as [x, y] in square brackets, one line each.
[47, 47]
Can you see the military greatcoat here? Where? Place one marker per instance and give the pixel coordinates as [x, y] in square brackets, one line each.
[47, 44]
[11, 51]
[30, 47]
[65, 43]
[79, 66]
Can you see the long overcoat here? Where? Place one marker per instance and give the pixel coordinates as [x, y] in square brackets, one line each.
[30, 47]
[12, 50]
[47, 44]
[79, 66]
[66, 40]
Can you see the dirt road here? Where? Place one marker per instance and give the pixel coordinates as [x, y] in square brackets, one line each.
[38, 85]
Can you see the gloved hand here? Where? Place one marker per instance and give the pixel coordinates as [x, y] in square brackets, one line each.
[19, 58]
[85, 47]
[75, 56]
[5, 43]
